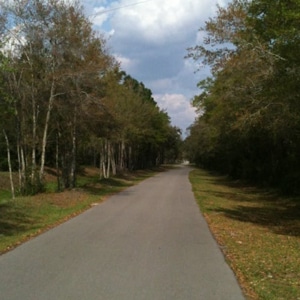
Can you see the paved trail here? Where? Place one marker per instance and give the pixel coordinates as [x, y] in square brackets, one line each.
[149, 242]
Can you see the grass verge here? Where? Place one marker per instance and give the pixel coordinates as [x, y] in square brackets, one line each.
[26, 217]
[258, 231]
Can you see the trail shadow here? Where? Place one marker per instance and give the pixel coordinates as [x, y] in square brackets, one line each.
[263, 207]
[12, 220]
[281, 220]
[112, 182]
[105, 186]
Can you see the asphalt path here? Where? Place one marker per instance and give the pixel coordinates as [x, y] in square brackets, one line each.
[149, 242]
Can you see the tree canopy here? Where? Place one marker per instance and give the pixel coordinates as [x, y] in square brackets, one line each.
[65, 101]
[250, 110]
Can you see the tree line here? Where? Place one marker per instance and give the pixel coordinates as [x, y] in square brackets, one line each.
[65, 102]
[249, 108]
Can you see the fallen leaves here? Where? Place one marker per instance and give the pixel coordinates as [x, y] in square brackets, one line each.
[258, 232]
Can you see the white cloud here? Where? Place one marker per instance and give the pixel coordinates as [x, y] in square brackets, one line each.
[162, 84]
[99, 17]
[150, 39]
[178, 108]
[126, 63]
[160, 22]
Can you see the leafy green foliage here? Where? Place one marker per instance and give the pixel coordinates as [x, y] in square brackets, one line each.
[66, 100]
[137, 121]
[249, 122]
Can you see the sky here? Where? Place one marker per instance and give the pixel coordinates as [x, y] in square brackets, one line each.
[149, 38]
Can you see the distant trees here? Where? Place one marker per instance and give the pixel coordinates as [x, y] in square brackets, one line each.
[134, 129]
[249, 124]
[63, 98]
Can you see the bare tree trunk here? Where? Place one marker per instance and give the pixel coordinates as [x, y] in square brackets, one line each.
[34, 135]
[45, 134]
[73, 158]
[113, 161]
[9, 166]
[22, 165]
[100, 163]
[19, 161]
[108, 146]
[122, 155]
[14, 84]
[104, 159]
[130, 164]
[59, 188]
[33, 155]
[102, 173]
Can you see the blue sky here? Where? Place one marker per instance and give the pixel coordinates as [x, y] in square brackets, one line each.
[149, 39]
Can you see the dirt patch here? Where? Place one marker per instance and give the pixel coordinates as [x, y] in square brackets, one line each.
[5, 180]
[64, 199]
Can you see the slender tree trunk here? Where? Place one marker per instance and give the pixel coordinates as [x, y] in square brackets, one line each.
[100, 163]
[73, 157]
[9, 166]
[102, 160]
[45, 134]
[119, 161]
[104, 170]
[22, 168]
[19, 160]
[105, 159]
[20, 145]
[108, 151]
[113, 161]
[130, 163]
[122, 155]
[59, 188]
[104, 155]
[14, 84]
[33, 155]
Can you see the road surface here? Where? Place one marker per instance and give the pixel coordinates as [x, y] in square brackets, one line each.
[149, 242]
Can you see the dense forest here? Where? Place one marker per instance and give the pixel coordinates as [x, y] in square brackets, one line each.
[65, 102]
[249, 108]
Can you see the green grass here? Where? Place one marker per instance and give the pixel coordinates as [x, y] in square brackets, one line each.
[5, 192]
[25, 217]
[258, 231]
[5, 195]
